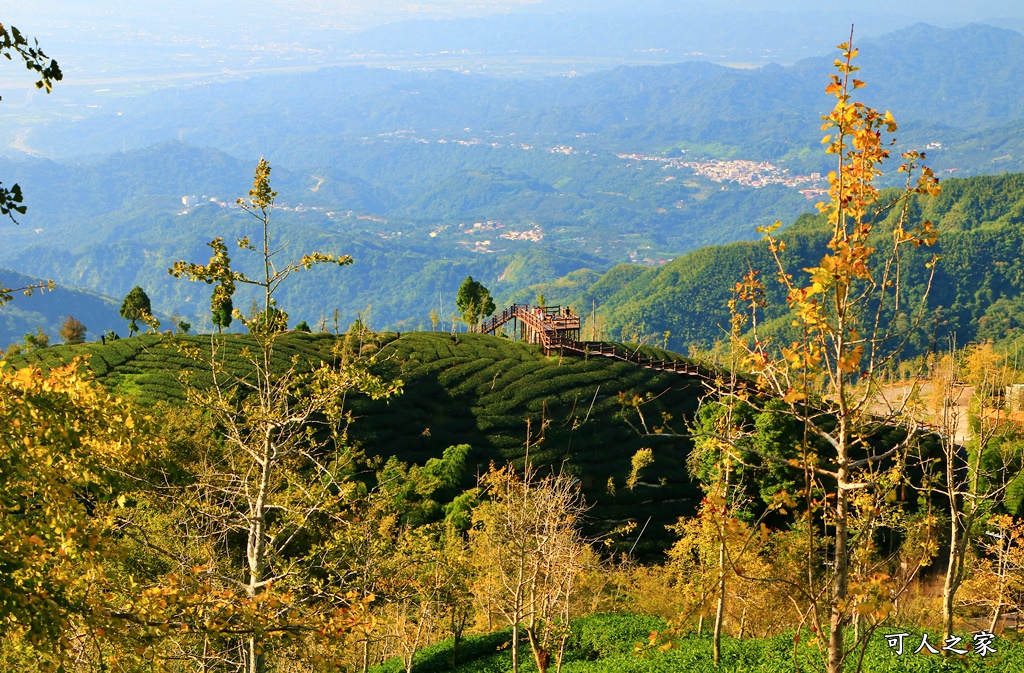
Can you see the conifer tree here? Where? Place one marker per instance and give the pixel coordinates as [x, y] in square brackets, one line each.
[474, 301]
[222, 311]
[136, 307]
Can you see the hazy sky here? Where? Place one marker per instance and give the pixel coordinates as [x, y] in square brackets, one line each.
[106, 38]
[950, 9]
[355, 14]
[337, 14]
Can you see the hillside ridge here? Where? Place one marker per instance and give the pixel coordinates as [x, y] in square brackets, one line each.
[474, 389]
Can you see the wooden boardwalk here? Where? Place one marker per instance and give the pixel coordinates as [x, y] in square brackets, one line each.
[558, 330]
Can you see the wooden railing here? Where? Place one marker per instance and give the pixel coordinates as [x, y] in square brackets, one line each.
[545, 321]
[612, 351]
[551, 326]
[491, 324]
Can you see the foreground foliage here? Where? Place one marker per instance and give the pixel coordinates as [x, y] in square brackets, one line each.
[64, 446]
[616, 643]
[466, 388]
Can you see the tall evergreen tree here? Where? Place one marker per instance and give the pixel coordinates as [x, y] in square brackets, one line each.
[474, 301]
[222, 308]
[135, 307]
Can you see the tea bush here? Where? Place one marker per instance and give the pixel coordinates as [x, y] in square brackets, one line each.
[466, 388]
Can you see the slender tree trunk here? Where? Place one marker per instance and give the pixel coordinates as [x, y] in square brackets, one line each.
[458, 624]
[256, 549]
[952, 581]
[566, 611]
[1003, 570]
[515, 647]
[561, 654]
[490, 605]
[997, 613]
[841, 580]
[255, 662]
[957, 526]
[416, 643]
[720, 611]
[518, 616]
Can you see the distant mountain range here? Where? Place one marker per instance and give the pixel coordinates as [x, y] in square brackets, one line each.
[939, 83]
[121, 222]
[427, 177]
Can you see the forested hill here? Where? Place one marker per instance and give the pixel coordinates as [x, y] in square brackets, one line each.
[978, 290]
[120, 222]
[46, 310]
[471, 389]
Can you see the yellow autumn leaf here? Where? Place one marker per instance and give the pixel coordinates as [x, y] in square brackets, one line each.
[794, 396]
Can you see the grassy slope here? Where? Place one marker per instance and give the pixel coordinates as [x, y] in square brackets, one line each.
[467, 388]
[605, 644]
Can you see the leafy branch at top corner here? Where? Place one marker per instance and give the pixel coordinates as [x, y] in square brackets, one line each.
[7, 293]
[12, 41]
[10, 202]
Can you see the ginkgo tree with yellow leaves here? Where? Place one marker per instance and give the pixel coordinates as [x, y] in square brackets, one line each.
[64, 444]
[275, 471]
[830, 377]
